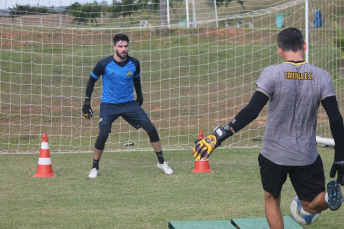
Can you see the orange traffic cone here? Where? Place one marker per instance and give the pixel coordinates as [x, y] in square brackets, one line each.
[200, 134]
[201, 165]
[44, 168]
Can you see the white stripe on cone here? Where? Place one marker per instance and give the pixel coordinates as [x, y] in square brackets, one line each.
[44, 161]
[44, 145]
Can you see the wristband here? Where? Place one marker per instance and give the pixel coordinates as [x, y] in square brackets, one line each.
[222, 133]
[87, 101]
[338, 155]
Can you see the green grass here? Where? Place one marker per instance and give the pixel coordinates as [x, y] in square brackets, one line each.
[131, 192]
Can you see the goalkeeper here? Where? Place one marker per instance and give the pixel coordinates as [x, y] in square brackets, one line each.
[294, 90]
[120, 75]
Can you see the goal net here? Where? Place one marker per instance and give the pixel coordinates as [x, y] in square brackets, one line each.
[200, 60]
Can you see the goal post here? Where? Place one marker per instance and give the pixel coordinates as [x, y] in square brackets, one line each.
[195, 75]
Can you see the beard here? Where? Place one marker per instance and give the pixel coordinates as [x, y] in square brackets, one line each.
[123, 56]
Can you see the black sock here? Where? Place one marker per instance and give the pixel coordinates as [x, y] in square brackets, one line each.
[95, 164]
[160, 157]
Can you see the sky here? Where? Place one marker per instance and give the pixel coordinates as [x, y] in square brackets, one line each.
[4, 4]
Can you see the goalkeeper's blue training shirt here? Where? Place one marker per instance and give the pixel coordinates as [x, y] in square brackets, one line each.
[117, 79]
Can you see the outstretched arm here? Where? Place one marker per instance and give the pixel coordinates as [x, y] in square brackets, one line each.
[250, 112]
[205, 146]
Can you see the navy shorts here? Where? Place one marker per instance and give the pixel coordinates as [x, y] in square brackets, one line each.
[308, 181]
[131, 112]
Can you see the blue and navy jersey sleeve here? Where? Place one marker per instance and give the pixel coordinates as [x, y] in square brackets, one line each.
[137, 72]
[99, 69]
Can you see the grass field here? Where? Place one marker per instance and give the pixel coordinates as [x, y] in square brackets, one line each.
[192, 78]
[131, 192]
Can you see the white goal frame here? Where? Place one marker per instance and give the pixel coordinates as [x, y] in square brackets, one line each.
[196, 73]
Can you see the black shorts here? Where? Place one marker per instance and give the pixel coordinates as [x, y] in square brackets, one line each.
[130, 111]
[308, 181]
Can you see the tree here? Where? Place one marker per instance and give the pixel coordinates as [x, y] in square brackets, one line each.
[82, 13]
[241, 2]
[219, 3]
[19, 9]
[126, 8]
[27, 9]
[92, 11]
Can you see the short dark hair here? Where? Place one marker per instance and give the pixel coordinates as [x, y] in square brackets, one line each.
[290, 39]
[120, 37]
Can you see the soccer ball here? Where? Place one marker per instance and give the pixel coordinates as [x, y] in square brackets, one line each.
[304, 218]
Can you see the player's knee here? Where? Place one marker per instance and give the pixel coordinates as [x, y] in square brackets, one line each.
[151, 131]
[103, 135]
[154, 136]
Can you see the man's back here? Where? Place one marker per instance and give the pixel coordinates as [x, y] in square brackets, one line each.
[295, 91]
